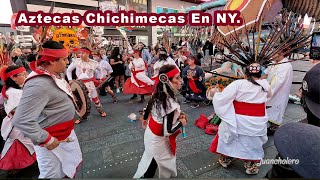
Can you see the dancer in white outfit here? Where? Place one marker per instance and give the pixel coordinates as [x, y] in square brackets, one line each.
[85, 71]
[18, 152]
[139, 83]
[280, 78]
[164, 122]
[243, 130]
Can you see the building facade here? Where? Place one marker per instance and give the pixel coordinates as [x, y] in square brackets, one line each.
[148, 35]
[80, 6]
[165, 6]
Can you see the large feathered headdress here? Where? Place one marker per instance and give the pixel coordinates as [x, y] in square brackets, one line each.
[287, 34]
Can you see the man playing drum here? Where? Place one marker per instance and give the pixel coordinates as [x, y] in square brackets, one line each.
[85, 71]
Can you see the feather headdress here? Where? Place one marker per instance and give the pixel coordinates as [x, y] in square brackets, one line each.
[284, 36]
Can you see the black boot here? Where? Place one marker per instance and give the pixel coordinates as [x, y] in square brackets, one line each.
[142, 99]
[114, 99]
[134, 97]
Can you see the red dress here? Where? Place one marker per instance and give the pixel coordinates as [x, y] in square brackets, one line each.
[17, 157]
[18, 151]
[133, 85]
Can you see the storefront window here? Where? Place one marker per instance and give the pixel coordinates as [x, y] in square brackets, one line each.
[172, 29]
[140, 6]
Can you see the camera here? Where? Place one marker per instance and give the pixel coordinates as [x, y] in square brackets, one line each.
[315, 46]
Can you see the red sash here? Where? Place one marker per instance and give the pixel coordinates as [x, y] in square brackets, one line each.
[250, 109]
[94, 80]
[62, 130]
[140, 83]
[157, 129]
[193, 86]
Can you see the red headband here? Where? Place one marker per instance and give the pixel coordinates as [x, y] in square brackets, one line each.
[58, 53]
[5, 76]
[52, 54]
[85, 51]
[80, 50]
[173, 72]
[75, 49]
[170, 74]
[137, 51]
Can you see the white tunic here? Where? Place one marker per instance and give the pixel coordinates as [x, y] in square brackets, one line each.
[241, 136]
[84, 70]
[280, 78]
[158, 147]
[160, 63]
[103, 70]
[139, 65]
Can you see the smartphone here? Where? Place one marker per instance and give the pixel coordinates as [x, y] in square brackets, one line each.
[315, 46]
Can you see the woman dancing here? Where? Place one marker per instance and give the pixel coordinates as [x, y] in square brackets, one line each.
[164, 119]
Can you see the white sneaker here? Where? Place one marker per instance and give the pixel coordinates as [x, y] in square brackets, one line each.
[118, 90]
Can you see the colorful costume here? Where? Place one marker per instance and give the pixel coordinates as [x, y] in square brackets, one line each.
[160, 139]
[85, 72]
[139, 82]
[243, 130]
[18, 151]
[242, 105]
[46, 111]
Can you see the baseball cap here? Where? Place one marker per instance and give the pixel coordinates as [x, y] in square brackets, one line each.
[311, 90]
[300, 142]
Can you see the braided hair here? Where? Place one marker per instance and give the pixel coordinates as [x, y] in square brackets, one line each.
[251, 75]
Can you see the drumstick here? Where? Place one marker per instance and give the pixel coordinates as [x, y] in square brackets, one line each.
[183, 129]
[184, 134]
[69, 139]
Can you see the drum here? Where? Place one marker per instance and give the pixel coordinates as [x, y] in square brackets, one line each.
[82, 99]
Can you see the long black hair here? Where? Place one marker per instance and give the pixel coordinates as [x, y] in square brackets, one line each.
[9, 82]
[163, 56]
[250, 77]
[160, 98]
[114, 53]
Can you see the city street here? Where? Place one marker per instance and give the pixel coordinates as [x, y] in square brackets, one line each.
[58, 56]
[112, 147]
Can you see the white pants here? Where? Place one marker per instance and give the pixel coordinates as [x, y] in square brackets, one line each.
[61, 161]
[157, 148]
[92, 89]
[49, 165]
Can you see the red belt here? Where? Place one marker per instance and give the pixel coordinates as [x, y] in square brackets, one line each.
[94, 80]
[62, 130]
[157, 129]
[250, 109]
